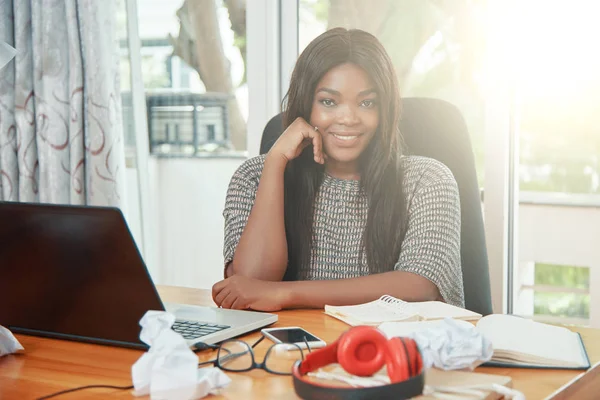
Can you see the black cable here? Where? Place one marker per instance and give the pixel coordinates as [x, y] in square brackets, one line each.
[201, 346]
[258, 341]
[307, 345]
[85, 387]
[204, 346]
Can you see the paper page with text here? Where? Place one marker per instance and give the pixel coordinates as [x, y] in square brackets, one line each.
[386, 308]
[429, 310]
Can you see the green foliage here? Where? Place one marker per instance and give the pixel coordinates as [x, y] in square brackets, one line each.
[561, 275]
[318, 8]
[321, 10]
[561, 132]
[154, 73]
[239, 42]
[562, 304]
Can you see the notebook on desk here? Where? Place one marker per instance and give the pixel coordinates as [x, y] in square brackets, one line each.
[391, 309]
[521, 342]
[518, 342]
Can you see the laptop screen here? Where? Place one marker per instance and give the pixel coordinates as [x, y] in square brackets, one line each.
[72, 272]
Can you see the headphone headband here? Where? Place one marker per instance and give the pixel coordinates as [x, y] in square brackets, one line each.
[395, 391]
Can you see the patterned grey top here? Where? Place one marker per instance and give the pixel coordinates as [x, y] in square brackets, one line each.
[431, 246]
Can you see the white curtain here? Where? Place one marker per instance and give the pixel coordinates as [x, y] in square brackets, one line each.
[61, 136]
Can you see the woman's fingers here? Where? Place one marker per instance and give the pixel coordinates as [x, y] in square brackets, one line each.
[318, 146]
[238, 305]
[221, 295]
[229, 300]
[317, 141]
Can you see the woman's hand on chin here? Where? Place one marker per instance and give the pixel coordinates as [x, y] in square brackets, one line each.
[298, 136]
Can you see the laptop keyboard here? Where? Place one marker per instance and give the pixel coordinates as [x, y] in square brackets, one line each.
[193, 329]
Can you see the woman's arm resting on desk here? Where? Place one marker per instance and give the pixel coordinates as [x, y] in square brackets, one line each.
[241, 292]
[258, 238]
[255, 240]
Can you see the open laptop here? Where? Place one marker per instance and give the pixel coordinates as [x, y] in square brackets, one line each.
[74, 272]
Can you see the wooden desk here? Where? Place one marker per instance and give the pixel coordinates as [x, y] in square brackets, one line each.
[48, 365]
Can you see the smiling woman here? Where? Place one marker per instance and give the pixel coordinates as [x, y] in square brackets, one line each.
[345, 112]
[334, 213]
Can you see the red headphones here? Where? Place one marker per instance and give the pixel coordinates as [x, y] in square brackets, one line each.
[363, 351]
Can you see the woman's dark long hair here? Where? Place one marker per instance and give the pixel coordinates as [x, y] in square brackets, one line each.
[381, 172]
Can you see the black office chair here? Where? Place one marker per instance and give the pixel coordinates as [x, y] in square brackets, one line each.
[436, 129]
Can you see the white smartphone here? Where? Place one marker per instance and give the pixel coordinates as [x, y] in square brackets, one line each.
[295, 335]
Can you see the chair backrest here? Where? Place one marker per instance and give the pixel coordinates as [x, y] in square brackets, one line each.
[436, 129]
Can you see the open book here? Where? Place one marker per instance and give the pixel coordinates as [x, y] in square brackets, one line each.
[391, 309]
[520, 342]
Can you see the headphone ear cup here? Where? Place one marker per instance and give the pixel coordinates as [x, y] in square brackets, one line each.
[362, 351]
[414, 356]
[398, 363]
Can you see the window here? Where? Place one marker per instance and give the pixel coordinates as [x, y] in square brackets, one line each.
[193, 68]
[559, 146]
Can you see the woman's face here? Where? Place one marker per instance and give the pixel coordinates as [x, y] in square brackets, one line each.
[345, 110]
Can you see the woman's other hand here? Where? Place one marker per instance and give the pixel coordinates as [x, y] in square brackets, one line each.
[240, 292]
